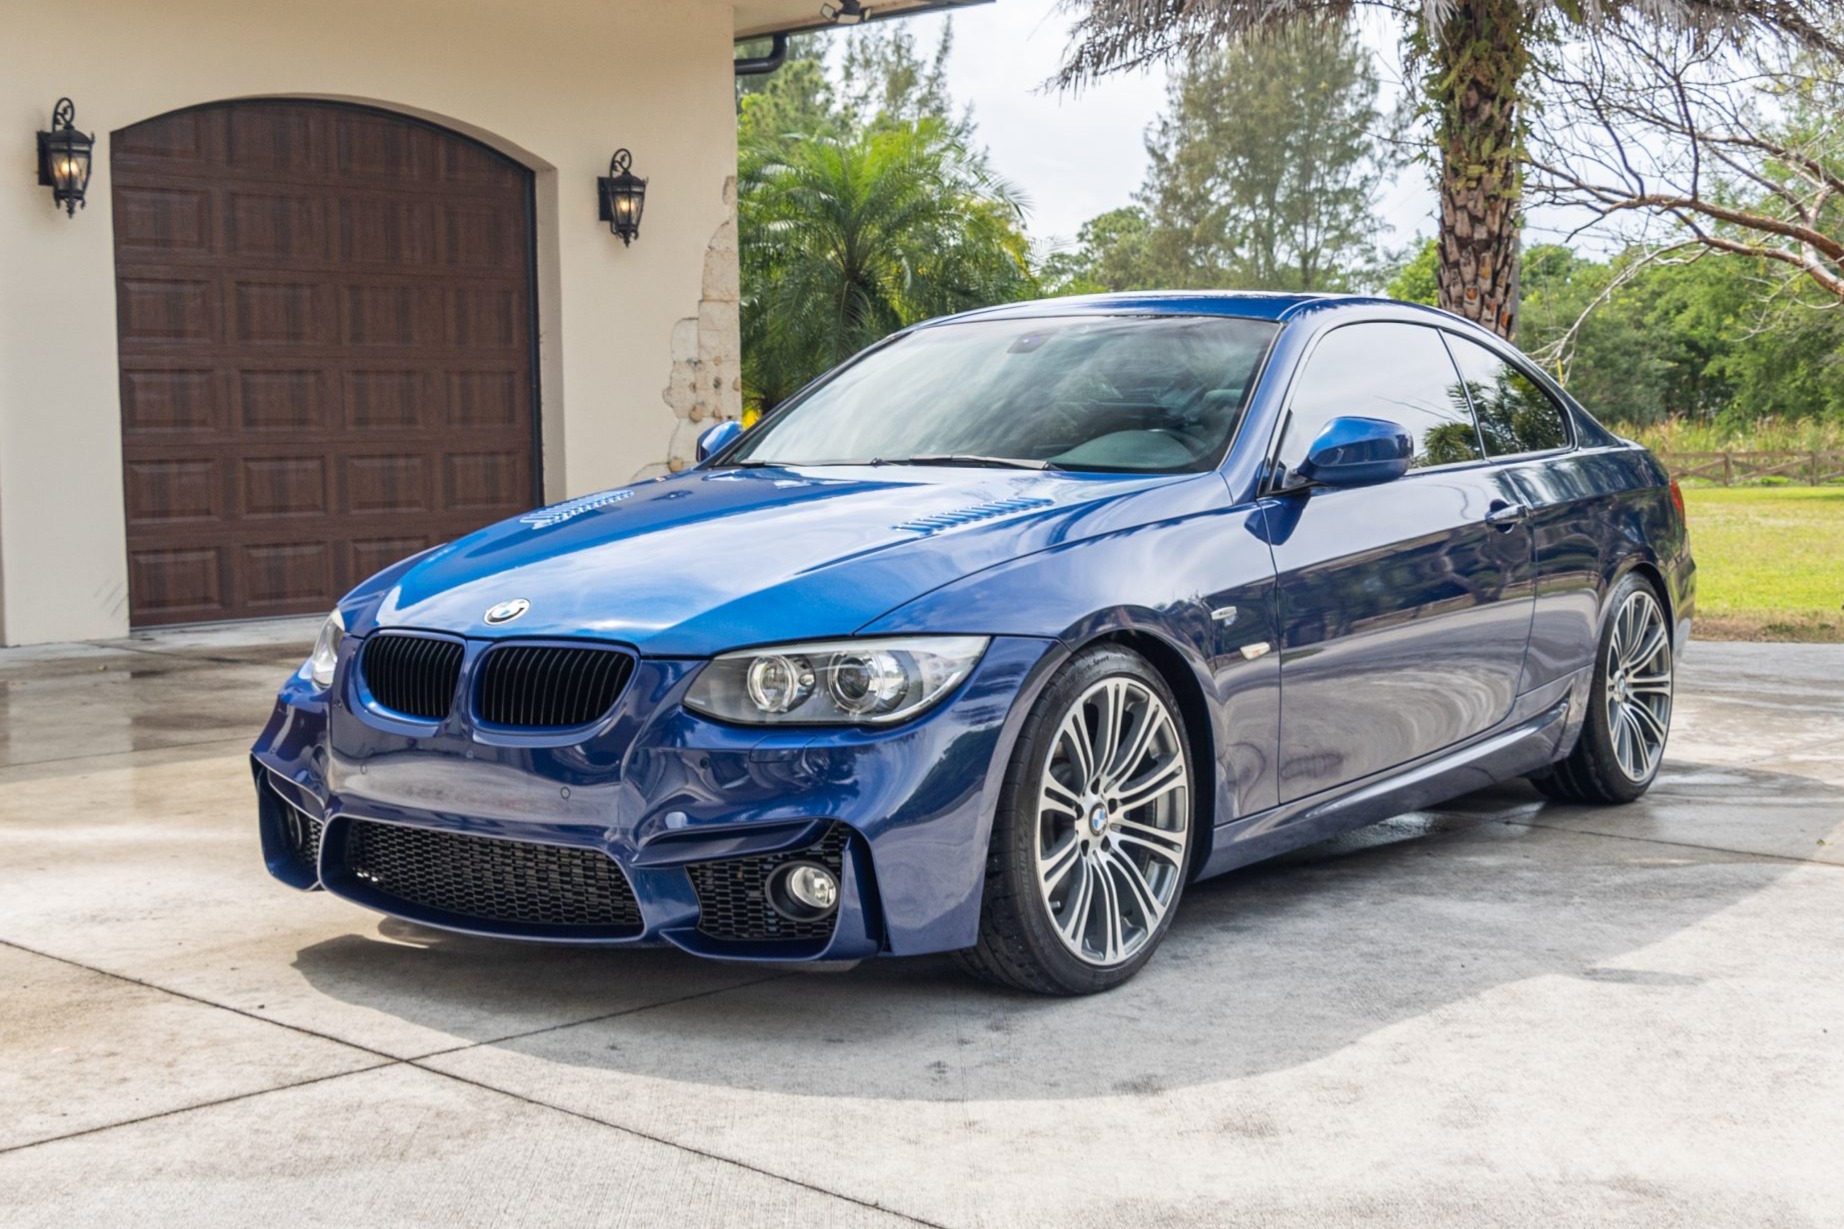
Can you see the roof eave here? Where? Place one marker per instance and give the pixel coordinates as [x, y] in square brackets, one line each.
[877, 12]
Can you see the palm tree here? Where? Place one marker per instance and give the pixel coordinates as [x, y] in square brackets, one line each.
[848, 236]
[1475, 56]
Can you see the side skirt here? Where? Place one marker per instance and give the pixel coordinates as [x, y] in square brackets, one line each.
[1538, 732]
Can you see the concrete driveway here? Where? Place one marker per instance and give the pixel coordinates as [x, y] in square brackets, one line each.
[1502, 1013]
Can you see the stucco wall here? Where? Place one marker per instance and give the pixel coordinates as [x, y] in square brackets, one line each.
[557, 84]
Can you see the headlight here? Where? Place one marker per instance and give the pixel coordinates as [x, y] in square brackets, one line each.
[834, 682]
[325, 656]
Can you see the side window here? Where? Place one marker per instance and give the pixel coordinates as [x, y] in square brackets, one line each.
[1515, 415]
[1398, 372]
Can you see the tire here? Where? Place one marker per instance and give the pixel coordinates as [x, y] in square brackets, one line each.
[1628, 722]
[1091, 840]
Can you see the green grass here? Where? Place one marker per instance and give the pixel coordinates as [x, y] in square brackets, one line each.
[1770, 562]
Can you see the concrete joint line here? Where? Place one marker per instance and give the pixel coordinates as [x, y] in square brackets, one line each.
[92, 756]
[681, 1146]
[183, 655]
[201, 1105]
[388, 1060]
[1652, 840]
[608, 1015]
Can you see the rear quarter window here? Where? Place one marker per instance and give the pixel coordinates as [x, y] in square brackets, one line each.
[1515, 414]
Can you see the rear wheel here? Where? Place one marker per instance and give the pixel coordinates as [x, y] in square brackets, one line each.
[1629, 710]
[1092, 835]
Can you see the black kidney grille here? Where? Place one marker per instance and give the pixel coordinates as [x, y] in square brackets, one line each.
[493, 879]
[540, 686]
[412, 675]
[733, 894]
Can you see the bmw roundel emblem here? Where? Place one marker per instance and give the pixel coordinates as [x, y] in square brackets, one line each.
[506, 612]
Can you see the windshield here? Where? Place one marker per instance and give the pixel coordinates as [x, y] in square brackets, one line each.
[1139, 393]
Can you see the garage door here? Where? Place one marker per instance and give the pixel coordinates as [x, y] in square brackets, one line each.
[326, 332]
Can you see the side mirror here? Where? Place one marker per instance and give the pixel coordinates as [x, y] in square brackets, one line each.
[717, 438]
[1358, 452]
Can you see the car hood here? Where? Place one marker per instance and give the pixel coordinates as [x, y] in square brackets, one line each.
[715, 559]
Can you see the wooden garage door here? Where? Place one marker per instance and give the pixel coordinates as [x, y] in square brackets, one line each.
[325, 321]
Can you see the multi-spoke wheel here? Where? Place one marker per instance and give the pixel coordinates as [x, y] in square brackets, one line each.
[1089, 845]
[1629, 714]
[1111, 820]
[1638, 690]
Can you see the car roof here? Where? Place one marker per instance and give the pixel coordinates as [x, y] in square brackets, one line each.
[1274, 305]
[1253, 304]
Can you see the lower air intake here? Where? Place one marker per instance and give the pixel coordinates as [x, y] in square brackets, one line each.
[302, 832]
[493, 880]
[733, 899]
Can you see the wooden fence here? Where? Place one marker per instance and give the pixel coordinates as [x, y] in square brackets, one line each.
[1737, 468]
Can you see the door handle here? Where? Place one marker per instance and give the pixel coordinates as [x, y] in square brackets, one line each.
[1506, 517]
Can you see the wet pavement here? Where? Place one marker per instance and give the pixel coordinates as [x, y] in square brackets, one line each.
[1503, 1012]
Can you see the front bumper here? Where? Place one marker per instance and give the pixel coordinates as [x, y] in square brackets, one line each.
[693, 814]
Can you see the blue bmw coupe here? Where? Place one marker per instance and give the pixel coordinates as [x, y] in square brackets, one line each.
[994, 638]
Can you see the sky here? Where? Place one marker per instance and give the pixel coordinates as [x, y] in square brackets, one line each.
[1076, 156]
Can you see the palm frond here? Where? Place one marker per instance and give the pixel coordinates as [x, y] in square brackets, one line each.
[1111, 36]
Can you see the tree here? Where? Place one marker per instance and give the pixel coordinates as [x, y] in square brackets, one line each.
[863, 205]
[1728, 158]
[1417, 279]
[1697, 338]
[797, 97]
[1265, 167]
[846, 238]
[883, 79]
[1475, 59]
[1112, 252]
[1263, 173]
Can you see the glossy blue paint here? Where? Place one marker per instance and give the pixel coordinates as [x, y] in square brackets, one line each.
[717, 438]
[1405, 624]
[1358, 452]
[1341, 651]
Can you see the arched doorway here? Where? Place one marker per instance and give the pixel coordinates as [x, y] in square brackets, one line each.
[326, 326]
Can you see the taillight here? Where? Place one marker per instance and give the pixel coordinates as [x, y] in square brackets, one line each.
[1677, 499]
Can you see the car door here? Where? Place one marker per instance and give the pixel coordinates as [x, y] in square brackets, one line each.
[1530, 437]
[1405, 606]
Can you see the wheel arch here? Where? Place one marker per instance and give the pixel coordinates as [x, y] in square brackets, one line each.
[1193, 706]
[1648, 571]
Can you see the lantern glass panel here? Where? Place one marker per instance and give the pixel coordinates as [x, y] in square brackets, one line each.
[64, 157]
[623, 197]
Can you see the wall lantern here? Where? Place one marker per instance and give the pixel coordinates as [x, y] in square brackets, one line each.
[64, 157]
[623, 196]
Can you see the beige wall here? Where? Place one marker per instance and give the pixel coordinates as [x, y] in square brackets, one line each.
[557, 84]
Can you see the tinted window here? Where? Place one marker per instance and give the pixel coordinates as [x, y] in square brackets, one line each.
[1398, 372]
[1146, 393]
[1514, 414]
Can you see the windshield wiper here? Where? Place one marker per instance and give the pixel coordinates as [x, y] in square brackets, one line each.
[969, 459]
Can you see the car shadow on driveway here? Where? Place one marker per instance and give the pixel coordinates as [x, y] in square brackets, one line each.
[1265, 969]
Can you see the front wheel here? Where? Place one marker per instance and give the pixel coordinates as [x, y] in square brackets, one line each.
[1623, 735]
[1091, 839]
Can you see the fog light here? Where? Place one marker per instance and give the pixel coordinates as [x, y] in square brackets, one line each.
[804, 891]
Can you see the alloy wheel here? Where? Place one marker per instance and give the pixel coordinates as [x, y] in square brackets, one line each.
[1638, 693]
[1113, 820]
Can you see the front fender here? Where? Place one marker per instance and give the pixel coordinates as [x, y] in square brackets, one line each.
[1201, 584]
